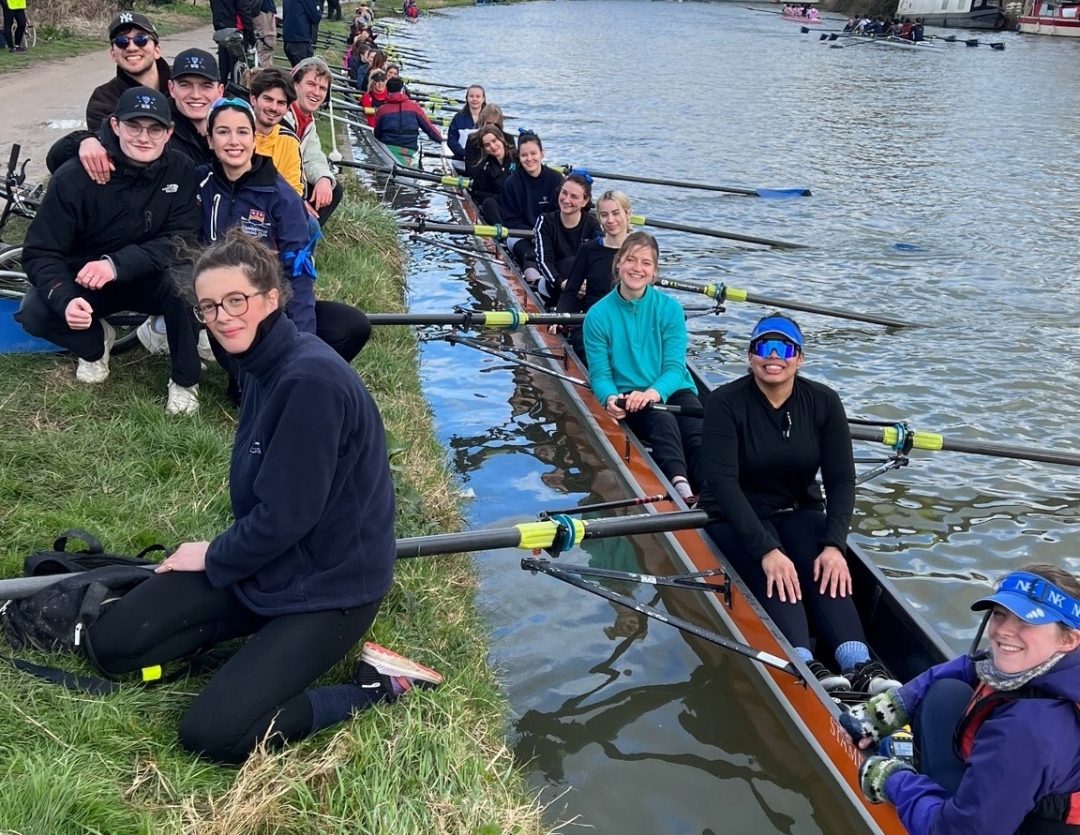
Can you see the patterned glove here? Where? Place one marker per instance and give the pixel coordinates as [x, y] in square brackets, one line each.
[872, 775]
[877, 718]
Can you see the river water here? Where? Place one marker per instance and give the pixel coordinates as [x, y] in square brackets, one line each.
[943, 194]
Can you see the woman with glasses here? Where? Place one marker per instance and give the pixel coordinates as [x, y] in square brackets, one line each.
[635, 340]
[303, 567]
[242, 189]
[765, 438]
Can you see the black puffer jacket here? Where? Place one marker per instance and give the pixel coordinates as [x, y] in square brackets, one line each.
[135, 220]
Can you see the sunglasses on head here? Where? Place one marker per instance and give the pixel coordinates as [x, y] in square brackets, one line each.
[140, 40]
[765, 348]
[229, 101]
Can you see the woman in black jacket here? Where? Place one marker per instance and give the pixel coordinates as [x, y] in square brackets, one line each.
[310, 555]
[496, 164]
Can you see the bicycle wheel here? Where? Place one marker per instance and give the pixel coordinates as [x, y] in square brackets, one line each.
[30, 36]
[14, 284]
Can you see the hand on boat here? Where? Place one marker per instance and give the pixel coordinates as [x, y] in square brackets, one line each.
[875, 771]
[832, 570]
[780, 572]
[869, 723]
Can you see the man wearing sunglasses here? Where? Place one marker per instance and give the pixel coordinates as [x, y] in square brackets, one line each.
[135, 51]
[96, 250]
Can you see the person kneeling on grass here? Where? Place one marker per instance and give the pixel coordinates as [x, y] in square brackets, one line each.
[310, 555]
[997, 734]
[94, 250]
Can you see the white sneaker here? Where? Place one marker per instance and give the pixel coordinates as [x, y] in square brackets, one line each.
[206, 353]
[151, 334]
[183, 400]
[98, 370]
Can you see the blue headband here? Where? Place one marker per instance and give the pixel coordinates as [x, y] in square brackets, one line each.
[777, 326]
[1033, 599]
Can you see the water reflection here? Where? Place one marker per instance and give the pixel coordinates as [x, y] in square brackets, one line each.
[924, 208]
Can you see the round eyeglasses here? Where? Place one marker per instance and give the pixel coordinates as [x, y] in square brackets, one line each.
[234, 304]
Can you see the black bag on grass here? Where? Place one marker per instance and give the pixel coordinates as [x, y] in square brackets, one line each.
[57, 616]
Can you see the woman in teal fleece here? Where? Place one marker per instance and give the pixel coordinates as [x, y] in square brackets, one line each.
[635, 342]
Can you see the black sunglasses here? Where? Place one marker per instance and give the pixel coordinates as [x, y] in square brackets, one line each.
[140, 40]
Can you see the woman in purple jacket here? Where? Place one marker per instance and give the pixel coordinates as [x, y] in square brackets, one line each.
[997, 735]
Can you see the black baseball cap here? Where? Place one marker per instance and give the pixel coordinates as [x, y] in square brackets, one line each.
[196, 62]
[143, 101]
[131, 20]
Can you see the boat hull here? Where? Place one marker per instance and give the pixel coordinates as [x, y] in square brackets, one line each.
[1045, 25]
[899, 637]
[980, 17]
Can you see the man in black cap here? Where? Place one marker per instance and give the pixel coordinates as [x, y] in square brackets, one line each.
[96, 250]
[195, 85]
[134, 49]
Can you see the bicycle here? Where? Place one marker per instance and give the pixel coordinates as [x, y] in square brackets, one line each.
[23, 201]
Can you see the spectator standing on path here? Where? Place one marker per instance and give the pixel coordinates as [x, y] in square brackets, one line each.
[233, 14]
[266, 32]
[15, 16]
[299, 28]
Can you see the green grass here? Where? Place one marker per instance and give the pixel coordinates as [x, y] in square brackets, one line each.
[107, 458]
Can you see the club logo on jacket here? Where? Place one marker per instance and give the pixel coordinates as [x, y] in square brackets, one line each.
[255, 225]
[171, 188]
[255, 448]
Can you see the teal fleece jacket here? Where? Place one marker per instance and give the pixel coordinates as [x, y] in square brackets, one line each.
[632, 345]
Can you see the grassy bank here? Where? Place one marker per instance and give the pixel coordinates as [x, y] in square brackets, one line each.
[108, 459]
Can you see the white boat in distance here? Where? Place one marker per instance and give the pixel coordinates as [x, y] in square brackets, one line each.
[956, 14]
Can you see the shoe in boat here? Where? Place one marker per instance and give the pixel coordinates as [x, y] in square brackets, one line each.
[870, 677]
[830, 681]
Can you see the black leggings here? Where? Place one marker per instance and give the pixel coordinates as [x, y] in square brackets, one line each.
[173, 615]
[835, 619]
[16, 18]
[675, 439]
[935, 721]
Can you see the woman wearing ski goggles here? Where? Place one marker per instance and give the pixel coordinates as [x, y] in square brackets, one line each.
[766, 436]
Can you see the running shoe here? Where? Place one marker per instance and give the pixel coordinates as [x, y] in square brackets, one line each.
[400, 673]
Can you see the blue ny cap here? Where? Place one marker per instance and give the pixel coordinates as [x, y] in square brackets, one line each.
[779, 326]
[1033, 599]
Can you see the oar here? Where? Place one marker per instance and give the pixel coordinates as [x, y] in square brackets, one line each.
[641, 220]
[410, 173]
[500, 233]
[478, 319]
[899, 436]
[562, 531]
[413, 80]
[998, 45]
[634, 178]
[722, 292]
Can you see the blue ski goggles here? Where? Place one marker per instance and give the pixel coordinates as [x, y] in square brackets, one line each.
[765, 348]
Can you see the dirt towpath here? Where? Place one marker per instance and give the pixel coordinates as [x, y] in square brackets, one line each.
[42, 103]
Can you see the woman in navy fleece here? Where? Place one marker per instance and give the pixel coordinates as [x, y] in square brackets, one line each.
[306, 562]
[529, 192]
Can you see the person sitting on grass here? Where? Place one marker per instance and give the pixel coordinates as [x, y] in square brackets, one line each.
[271, 94]
[996, 734]
[322, 193]
[96, 250]
[309, 556]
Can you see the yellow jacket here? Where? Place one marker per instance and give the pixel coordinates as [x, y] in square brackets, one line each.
[283, 147]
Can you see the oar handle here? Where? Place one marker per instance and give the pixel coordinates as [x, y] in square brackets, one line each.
[713, 291]
[478, 318]
[689, 411]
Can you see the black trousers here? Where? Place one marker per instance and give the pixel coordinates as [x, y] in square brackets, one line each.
[675, 439]
[14, 18]
[935, 722]
[328, 209]
[297, 51]
[834, 619]
[153, 296]
[173, 615]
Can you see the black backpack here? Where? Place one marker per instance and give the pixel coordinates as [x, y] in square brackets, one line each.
[58, 616]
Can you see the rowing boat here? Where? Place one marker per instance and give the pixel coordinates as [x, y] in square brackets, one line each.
[848, 40]
[897, 635]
